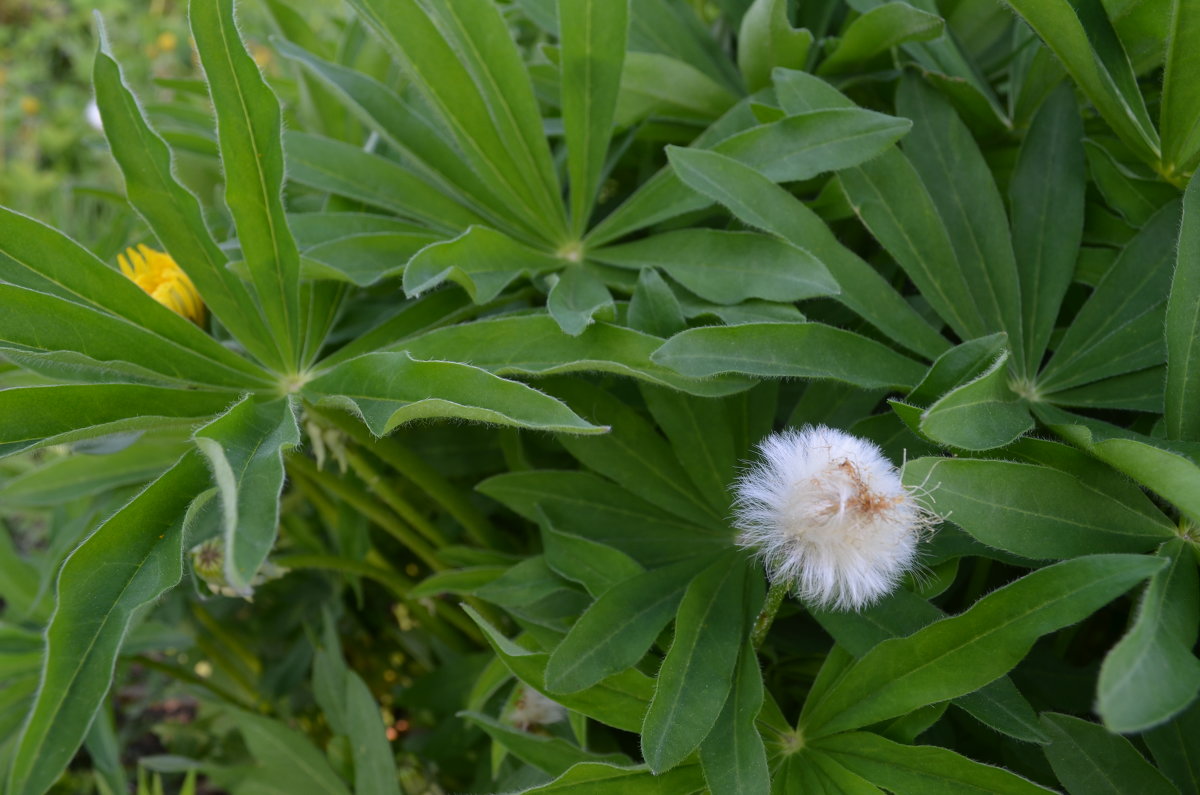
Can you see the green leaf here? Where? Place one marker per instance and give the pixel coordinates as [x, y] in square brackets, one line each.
[87, 344]
[801, 350]
[592, 36]
[653, 84]
[920, 769]
[619, 700]
[958, 366]
[347, 170]
[956, 655]
[696, 676]
[139, 552]
[286, 760]
[733, 755]
[959, 181]
[32, 417]
[1089, 760]
[676, 29]
[757, 201]
[248, 129]
[767, 40]
[552, 755]
[462, 60]
[877, 31]
[1079, 33]
[1173, 748]
[1151, 674]
[1130, 192]
[576, 297]
[594, 778]
[35, 257]
[1120, 328]
[798, 147]
[64, 479]
[701, 436]
[1034, 511]
[727, 267]
[620, 626]
[979, 415]
[364, 259]
[535, 345]
[481, 260]
[653, 307]
[1180, 111]
[1046, 196]
[244, 448]
[594, 565]
[597, 509]
[386, 390]
[1183, 323]
[170, 209]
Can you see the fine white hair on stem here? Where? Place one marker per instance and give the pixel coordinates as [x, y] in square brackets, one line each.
[829, 517]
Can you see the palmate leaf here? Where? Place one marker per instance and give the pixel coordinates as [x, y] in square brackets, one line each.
[388, 389]
[170, 209]
[130, 560]
[248, 129]
[956, 655]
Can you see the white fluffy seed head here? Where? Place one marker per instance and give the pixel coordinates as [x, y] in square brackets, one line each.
[827, 513]
[531, 709]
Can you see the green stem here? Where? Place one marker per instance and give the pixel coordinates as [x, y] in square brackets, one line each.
[377, 485]
[766, 617]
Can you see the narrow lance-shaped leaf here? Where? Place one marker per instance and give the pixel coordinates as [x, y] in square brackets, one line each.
[389, 389]
[1090, 760]
[956, 655]
[877, 31]
[1179, 117]
[128, 561]
[482, 260]
[592, 36]
[767, 40]
[244, 448]
[170, 209]
[248, 129]
[286, 760]
[1183, 324]
[979, 415]
[733, 755]
[576, 297]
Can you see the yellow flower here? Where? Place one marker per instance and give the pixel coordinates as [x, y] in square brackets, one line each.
[163, 280]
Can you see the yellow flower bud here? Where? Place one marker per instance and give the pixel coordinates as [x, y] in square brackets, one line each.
[163, 280]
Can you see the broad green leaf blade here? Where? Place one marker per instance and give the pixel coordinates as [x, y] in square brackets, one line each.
[1034, 511]
[534, 345]
[248, 129]
[1047, 195]
[956, 655]
[1079, 33]
[597, 509]
[733, 756]
[244, 448]
[1120, 328]
[1173, 748]
[960, 183]
[1089, 760]
[347, 170]
[979, 415]
[701, 434]
[592, 35]
[799, 350]
[757, 201]
[481, 260]
[386, 390]
[31, 417]
[877, 31]
[654, 308]
[576, 297]
[466, 66]
[619, 700]
[1132, 195]
[139, 551]
[364, 259]
[406, 126]
[797, 147]
[88, 344]
[36, 257]
[653, 84]
[1183, 323]
[696, 676]
[727, 267]
[285, 759]
[1152, 673]
[958, 366]
[1179, 116]
[619, 627]
[592, 564]
[767, 40]
[592, 778]
[170, 209]
[921, 769]
[552, 755]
